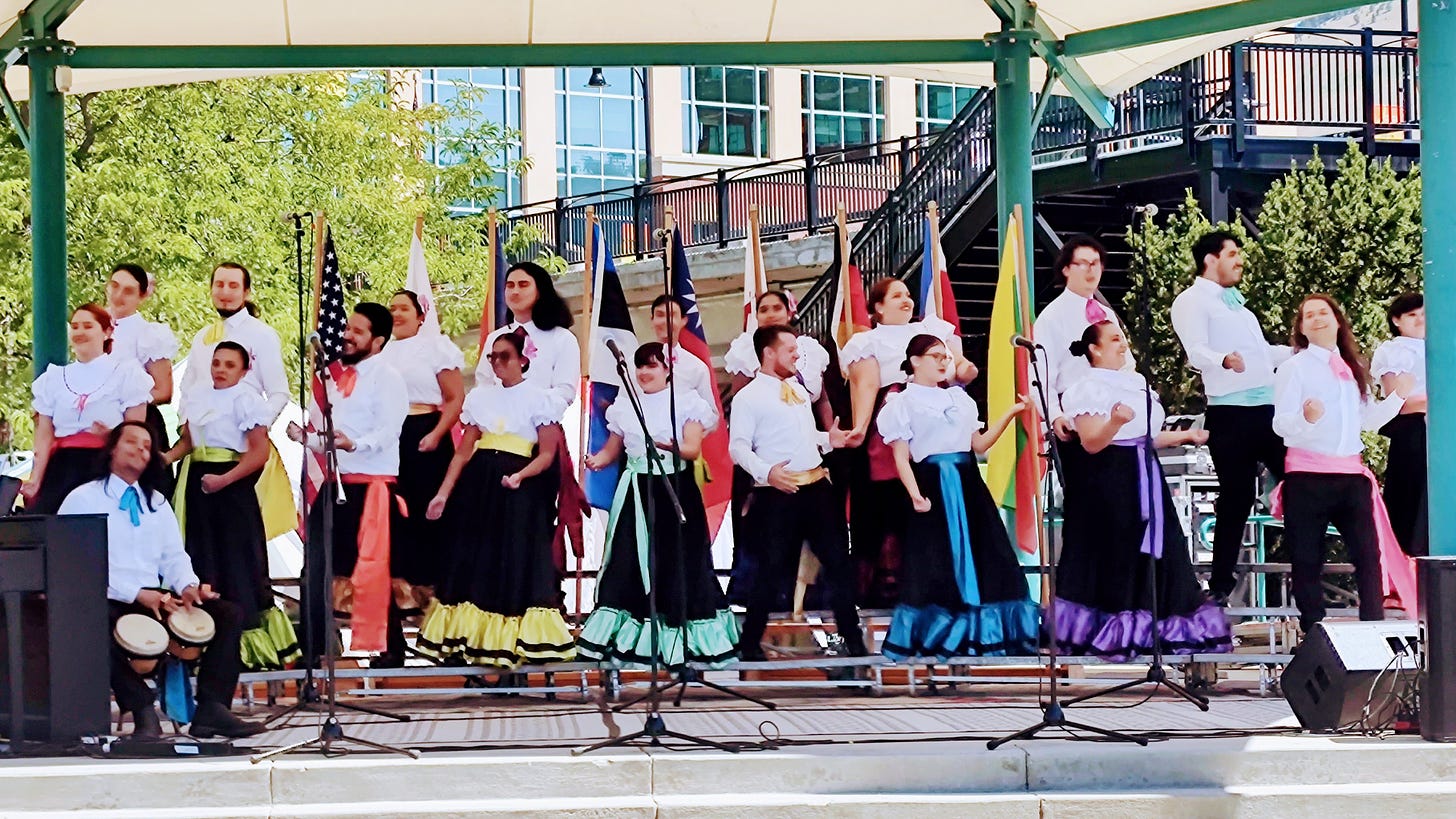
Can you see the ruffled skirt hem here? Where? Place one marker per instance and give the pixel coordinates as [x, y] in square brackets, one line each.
[615, 636]
[1008, 628]
[1124, 635]
[465, 633]
[271, 645]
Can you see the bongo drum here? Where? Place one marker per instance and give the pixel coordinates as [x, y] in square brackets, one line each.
[190, 632]
[143, 639]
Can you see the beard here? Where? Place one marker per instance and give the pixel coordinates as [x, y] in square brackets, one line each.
[354, 357]
[227, 314]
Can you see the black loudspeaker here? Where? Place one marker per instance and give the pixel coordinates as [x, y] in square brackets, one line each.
[1342, 667]
[1437, 616]
[54, 643]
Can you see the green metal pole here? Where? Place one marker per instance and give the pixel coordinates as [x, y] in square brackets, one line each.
[1437, 83]
[47, 204]
[1013, 133]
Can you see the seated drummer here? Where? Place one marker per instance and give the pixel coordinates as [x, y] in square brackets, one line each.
[144, 545]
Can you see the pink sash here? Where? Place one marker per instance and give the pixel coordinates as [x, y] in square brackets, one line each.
[370, 617]
[1397, 570]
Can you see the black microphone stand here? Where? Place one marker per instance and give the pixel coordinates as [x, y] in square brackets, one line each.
[654, 728]
[331, 731]
[1052, 714]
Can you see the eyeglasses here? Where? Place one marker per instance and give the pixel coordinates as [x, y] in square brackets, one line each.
[1085, 265]
[941, 357]
[501, 357]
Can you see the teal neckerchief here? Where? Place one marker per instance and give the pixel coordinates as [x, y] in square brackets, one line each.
[131, 503]
[1232, 297]
[628, 485]
[953, 499]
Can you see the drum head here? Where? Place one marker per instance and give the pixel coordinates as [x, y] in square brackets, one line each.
[193, 627]
[140, 635]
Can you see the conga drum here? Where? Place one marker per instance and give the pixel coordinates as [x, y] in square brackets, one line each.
[191, 630]
[143, 639]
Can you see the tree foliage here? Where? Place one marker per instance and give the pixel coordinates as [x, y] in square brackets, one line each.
[1354, 233]
[181, 178]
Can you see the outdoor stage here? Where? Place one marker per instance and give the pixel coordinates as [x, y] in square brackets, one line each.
[823, 752]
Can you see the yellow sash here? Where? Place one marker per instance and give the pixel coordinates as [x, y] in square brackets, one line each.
[202, 455]
[275, 496]
[505, 442]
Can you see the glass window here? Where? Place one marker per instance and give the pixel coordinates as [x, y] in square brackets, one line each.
[593, 119]
[493, 95]
[936, 104]
[726, 110]
[842, 110]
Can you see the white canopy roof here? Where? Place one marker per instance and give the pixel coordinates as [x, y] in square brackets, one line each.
[790, 32]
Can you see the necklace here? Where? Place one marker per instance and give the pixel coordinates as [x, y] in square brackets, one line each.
[83, 397]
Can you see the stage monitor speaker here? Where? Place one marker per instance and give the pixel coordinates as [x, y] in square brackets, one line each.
[54, 643]
[1437, 616]
[1342, 667]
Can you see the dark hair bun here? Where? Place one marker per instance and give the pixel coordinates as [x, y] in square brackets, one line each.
[1078, 348]
[906, 368]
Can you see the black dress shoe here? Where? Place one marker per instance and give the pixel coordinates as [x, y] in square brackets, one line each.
[387, 660]
[751, 655]
[147, 725]
[213, 720]
[855, 647]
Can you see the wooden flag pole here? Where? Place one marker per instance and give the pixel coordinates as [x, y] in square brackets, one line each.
[588, 282]
[932, 212]
[320, 223]
[491, 308]
[760, 277]
[670, 226]
[420, 227]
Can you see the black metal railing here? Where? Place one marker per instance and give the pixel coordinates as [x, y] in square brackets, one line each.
[794, 196]
[1351, 88]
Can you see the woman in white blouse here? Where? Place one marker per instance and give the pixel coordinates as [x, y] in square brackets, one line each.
[962, 591]
[224, 439]
[871, 360]
[1321, 403]
[151, 343]
[690, 603]
[430, 364]
[496, 604]
[542, 314]
[1118, 517]
[76, 407]
[1400, 364]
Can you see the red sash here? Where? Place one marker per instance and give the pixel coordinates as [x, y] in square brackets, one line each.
[370, 619]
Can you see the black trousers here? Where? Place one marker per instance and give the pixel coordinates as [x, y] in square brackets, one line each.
[1405, 482]
[217, 671]
[318, 589]
[777, 524]
[1239, 439]
[1313, 501]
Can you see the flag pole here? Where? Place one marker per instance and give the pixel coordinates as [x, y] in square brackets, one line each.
[420, 227]
[320, 223]
[487, 317]
[669, 225]
[932, 213]
[844, 301]
[1029, 421]
[588, 276]
[588, 283]
[760, 277]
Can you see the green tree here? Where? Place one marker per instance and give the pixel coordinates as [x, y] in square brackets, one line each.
[1354, 233]
[180, 178]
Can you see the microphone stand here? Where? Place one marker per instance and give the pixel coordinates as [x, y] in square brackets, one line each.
[654, 728]
[1052, 714]
[331, 731]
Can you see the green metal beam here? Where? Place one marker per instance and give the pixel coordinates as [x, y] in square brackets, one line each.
[1013, 133]
[47, 203]
[12, 111]
[1020, 14]
[1437, 84]
[317, 57]
[1212, 20]
[37, 18]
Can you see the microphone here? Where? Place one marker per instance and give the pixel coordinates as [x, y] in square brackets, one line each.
[293, 217]
[1149, 210]
[616, 351]
[317, 343]
[1022, 341]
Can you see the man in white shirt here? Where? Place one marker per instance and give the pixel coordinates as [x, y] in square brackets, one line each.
[232, 286]
[688, 371]
[1079, 266]
[1225, 344]
[369, 402]
[773, 437]
[144, 546]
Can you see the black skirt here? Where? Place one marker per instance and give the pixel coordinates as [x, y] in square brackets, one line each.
[689, 600]
[417, 546]
[878, 511]
[498, 540]
[1104, 582]
[226, 541]
[158, 426]
[68, 468]
[1405, 482]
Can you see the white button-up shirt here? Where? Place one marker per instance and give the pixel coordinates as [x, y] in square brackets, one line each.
[813, 361]
[1308, 375]
[764, 430]
[265, 373]
[1210, 329]
[555, 360]
[223, 418]
[691, 373]
[372, 416]
[1061, 323]
[138, 557]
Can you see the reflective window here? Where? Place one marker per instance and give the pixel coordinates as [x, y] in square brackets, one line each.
[841, 110]
[725, 110]
[937, 103]
[600, 140]
[495, 95]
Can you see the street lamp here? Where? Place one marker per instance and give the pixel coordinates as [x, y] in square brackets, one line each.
[598, 79]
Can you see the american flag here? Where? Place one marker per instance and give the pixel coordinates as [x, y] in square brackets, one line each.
[332, 318]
